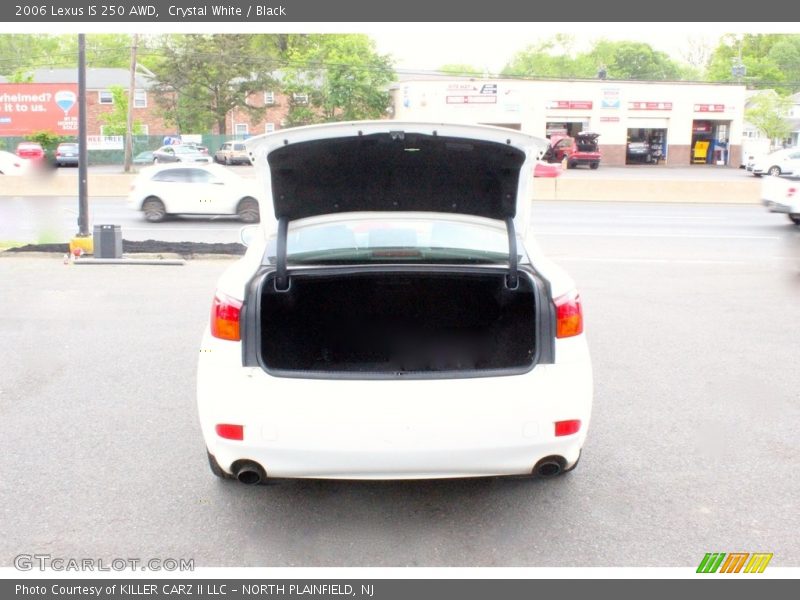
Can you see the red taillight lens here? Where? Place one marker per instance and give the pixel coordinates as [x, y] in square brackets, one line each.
[569, 315]
[567, 427]
[225, 313]
[792, 191]
[230, 432]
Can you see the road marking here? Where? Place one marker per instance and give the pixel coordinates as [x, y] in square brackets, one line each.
[658, 235]
[206, 229]
[669, 261]
[666, 217]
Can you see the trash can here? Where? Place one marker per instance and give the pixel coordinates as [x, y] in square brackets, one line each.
[107, 241]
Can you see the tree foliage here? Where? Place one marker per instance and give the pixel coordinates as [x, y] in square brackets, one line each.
[202, 78]
[115, 122]
[22, 53]
[771, 60]
[343, 76]
[556, 57]
[769, 113]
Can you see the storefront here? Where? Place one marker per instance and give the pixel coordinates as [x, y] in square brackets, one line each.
[643, 123]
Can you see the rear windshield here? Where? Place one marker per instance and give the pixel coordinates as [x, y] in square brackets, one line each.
[425, 241]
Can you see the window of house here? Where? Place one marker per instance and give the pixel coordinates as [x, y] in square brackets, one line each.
[269, 128]
[300, 98]
[105, 97]
[269, 98]
[140, 99]
[240, 129]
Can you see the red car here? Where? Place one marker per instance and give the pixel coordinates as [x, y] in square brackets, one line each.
[580, 150]
[30, 150]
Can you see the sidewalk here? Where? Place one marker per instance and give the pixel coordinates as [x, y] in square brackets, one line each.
[643, 183]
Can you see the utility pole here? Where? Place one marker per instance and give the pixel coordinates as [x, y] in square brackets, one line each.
[83, 155]
[131, 102]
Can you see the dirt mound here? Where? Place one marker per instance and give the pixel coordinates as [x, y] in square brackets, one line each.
[185, 249]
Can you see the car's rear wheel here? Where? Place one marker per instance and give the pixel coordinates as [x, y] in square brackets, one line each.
[774, 170]
[594, 165]
[794, 218]
[155, 161]
[247, 210]
[154, 210]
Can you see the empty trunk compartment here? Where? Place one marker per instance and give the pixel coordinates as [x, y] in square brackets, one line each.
[397, 323]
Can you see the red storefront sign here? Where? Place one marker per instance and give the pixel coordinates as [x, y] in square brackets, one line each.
[570, 104]
[709, 108]
[26, 108]
[649, 105]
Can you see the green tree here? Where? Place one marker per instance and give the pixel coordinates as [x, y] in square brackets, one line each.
[553, 57]
[771, 60]
[115, 122]
[201, 78]
[342, 75]
[769, 112]
[556, 57]
[461, 70]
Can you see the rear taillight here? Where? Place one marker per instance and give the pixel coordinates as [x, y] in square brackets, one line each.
[567, 427]
[230, 432]
[569, 315]
[791, 192]
[225, 313]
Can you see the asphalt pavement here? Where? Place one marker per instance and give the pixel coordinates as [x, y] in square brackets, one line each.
[694, 445]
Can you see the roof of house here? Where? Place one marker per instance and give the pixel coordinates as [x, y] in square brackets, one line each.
[96, 79]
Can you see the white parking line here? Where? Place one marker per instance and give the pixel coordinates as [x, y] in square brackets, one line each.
[670, 261]
[657, 235]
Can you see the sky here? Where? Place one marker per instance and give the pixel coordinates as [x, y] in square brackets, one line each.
[490, 47]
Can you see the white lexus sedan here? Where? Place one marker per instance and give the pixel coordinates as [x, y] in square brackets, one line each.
[388, 320]
[198, 190]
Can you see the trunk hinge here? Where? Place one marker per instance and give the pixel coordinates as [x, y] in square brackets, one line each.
[281, 275]
[512, 279]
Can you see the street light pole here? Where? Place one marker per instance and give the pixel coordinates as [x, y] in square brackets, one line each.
[83, 201]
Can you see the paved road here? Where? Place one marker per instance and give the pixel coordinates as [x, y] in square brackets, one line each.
[694, 445]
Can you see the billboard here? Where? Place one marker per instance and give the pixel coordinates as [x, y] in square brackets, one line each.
[26, 108]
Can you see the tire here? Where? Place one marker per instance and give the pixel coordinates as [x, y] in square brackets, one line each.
[594, 165]
[570, 164]
[155, 161]
[774, 170]
[154, 210]
[227, 161]
[215, 468]
[247, 211]
[756, 174]
[794, 218]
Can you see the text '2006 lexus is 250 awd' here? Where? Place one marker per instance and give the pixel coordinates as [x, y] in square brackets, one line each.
[392, 321]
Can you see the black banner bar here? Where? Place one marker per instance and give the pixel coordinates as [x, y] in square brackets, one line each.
[365, 11]
[392, 589]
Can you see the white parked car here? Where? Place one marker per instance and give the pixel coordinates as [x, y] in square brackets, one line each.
[186, 189]
[782, 162]
[11, 164]
[388, 320]
[782, 195]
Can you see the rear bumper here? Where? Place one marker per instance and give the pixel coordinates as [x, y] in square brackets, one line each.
[392, 429]
[776, 207]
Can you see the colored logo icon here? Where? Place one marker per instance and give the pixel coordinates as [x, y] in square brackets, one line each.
[734, 562]
[66, 100]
